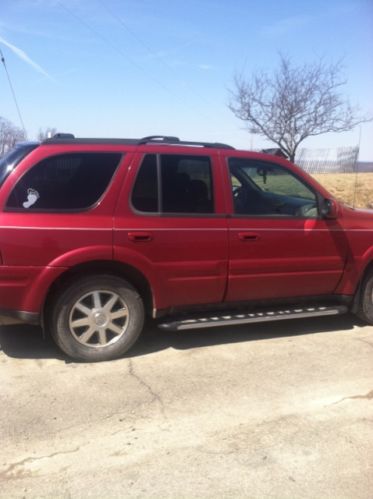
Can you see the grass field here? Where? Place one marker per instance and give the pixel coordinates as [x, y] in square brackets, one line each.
[342, 187]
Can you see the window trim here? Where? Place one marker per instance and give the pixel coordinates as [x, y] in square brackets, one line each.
[67, 210]
[159, 182]
[140, 163]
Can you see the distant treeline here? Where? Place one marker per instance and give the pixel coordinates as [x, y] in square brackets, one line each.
[364, 166]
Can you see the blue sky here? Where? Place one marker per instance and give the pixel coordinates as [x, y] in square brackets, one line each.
[130, 68]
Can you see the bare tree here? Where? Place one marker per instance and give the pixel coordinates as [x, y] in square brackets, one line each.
[9, 135]
[293, 103]
[47, 133]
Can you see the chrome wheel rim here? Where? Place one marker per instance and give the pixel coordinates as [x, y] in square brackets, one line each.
[99, 318]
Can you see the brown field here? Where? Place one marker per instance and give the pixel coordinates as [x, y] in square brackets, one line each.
[342, 187]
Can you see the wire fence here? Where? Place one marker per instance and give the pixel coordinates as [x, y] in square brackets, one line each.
[340, 160]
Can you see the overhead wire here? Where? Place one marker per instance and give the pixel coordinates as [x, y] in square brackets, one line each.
[108, 42]
[150, 51]
[13, 93]
[121, 52]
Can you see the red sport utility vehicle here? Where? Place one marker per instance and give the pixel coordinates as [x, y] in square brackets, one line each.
[95, 234]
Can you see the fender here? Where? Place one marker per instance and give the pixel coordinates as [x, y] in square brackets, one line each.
[83, 255]
[367, 259]
[35, 295]
[354, 272]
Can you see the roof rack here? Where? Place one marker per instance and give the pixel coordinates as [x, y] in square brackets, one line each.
[63, 136]
[275, 151]
[165, 139]
[159, 138]
[151, 139]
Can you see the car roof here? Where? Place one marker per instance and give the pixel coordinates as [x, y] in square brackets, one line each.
[67, 138]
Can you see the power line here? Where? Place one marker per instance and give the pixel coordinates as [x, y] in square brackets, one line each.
[125, 26]
[13, 93]
[150, 51]
[125, 55]
[107, 41]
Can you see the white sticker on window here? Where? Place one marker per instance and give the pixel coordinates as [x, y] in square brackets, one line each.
[32, 197]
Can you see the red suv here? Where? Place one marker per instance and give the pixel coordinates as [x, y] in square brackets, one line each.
[95, 234]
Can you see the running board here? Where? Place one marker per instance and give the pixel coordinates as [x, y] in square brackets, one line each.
[251, 317]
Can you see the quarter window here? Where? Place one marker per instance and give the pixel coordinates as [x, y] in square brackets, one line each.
[261, 188]
[65, 182]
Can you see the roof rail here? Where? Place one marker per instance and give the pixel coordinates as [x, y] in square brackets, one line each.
[63, 136]
[275, 151]
[164, 139]
[159, 138]
[151, 139]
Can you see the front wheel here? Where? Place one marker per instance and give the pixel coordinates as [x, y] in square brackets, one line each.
[97, 318]
[366, 303]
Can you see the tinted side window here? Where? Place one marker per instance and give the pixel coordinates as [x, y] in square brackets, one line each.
[186, 184]
[65, 182]
[261, 188]
[145, 190]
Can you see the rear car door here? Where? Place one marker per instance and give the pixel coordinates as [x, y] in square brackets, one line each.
[170, 224]
[279, 245]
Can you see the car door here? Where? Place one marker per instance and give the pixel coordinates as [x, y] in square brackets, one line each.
[170, 225]
[279, 244]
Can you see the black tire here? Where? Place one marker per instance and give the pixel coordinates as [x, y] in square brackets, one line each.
[97, 318]
[366, 299]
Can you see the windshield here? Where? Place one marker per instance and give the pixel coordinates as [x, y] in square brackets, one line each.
[13, 157]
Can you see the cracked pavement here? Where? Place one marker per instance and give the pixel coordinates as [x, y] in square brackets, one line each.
[281, 410]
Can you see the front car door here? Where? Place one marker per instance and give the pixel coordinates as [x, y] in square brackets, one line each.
[279, 245]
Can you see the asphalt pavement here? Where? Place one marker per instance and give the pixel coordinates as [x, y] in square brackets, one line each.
[276, 410]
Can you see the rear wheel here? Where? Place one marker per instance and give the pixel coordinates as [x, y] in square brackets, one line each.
[97, 318]
[366, 302]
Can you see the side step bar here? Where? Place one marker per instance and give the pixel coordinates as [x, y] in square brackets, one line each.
[250, 317]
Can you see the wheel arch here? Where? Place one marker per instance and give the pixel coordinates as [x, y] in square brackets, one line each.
[100, 267]
[367, 269]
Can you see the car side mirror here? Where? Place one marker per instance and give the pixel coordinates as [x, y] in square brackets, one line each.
[329, 209]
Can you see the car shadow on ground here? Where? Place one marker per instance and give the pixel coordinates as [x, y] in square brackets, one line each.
[27, 342]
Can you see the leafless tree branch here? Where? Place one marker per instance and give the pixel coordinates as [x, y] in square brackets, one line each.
[9, 135]
[293, 103]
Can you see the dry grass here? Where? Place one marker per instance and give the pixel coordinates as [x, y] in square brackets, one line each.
[342, 186]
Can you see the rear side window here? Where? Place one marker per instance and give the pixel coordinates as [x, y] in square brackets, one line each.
[173, 183]
[65, 182]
